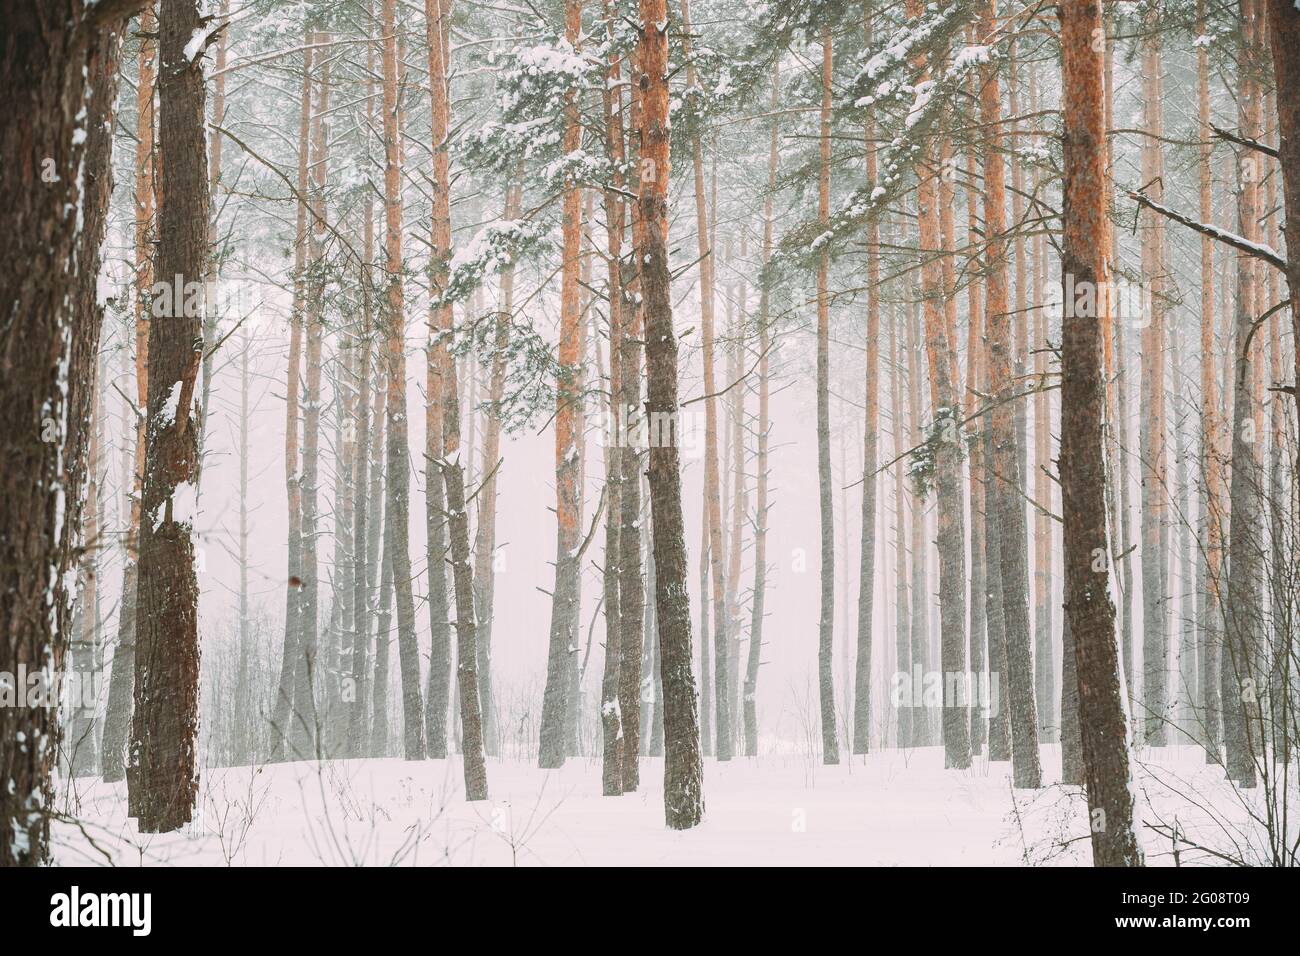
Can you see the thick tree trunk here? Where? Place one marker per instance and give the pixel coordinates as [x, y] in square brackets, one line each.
[683, 769]
[58, 67]
[162, 769]
[1091, 617]
[1284, 37]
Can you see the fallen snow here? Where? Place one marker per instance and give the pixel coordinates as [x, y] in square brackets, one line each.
[890, 808]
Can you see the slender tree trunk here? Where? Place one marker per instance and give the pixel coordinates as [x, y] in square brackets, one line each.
[826, 625]
[739, 496]
[611, 718]
[84, 650]
[396, 537]
[975, 444]
[870, 453]
[1045, 671]
[712, 490]
[436, 397]
[946, 440]
[1244, 619]
[1155, 533]
[363, 517]
[244, 699]
[568, 477]
[905, 734]
[450, 464]
[922, 728]
[631, 577]
[121, 688]
[306, 730]
[1213, 452]
[757, 604]
[1005, 500]
[486, 538]
[287, 714]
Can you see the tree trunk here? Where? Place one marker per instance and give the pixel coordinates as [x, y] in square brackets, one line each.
[287, 713]
[1246, 546]
[397, 540]
[922, 727]
[306, 730]
[1213, 453]
[163, 770]
[826, 624]
[870, 455]
[945, 439]
[568, 477]
[1004, 495]
[975, 444]
[683, 769]
[1155, 532]
[121, 688]
[59, 72]
[1090, 615]
[758, 600]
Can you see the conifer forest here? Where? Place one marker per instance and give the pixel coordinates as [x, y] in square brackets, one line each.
[649, 432]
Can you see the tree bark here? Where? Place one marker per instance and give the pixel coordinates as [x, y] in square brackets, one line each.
[1004, 492]
[1246, 545]
[826, 623]
[1091, 617]
[870, 453]
[287, 712]
[397, 540]
[683, 769]
[121, 688]
[163, 769]
[1155, 532]
[568, 477]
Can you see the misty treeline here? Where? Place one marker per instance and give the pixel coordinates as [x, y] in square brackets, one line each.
[1026, 261]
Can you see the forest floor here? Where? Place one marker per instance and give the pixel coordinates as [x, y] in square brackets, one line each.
[889, 808]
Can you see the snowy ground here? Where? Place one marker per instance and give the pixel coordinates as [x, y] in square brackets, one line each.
[890, 808]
